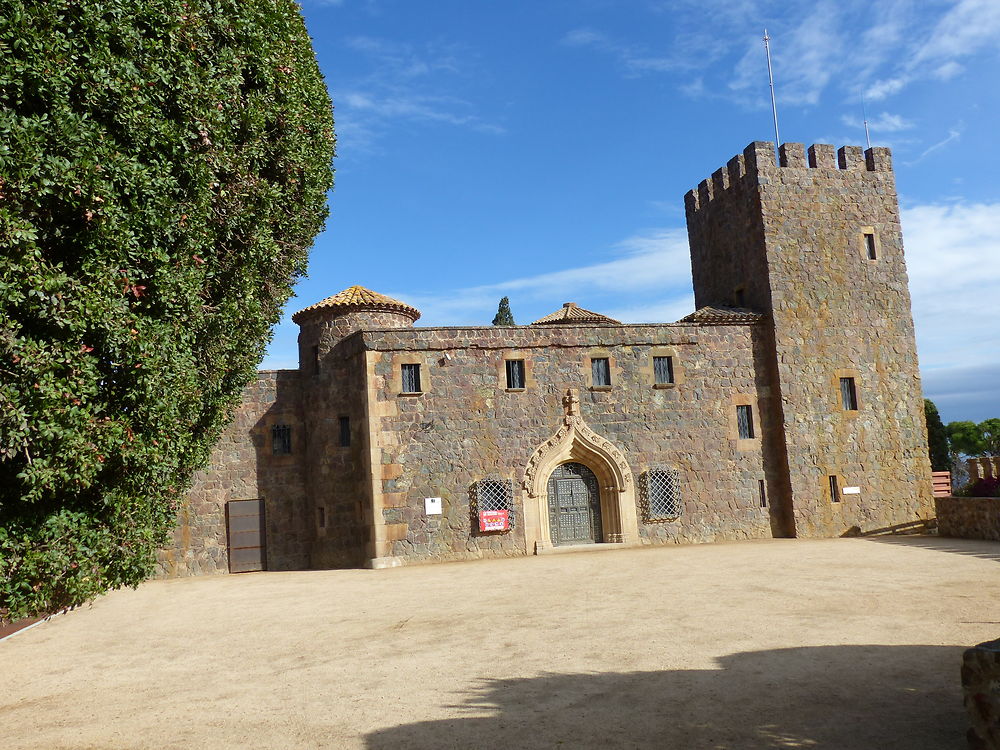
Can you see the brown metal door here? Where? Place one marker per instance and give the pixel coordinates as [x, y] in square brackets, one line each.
[245, 524]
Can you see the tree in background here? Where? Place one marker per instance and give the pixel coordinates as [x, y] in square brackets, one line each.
[966, 438]
[937, 438]
[503, 316]
[164, 166]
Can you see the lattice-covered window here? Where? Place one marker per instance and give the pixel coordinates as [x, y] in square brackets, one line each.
[744, 422]
[493, 504]
[281, 440]
[661, 495]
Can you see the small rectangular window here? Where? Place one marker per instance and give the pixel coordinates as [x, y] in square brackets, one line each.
[515, 373]
[848, 394]
[663, 370]
[600, 370]
[321, 517]
[744, 422]
[763, 493]
[315, 360]
[834, 489]
[411, 378]
[281, 440]
[870, 246]
[345, 431]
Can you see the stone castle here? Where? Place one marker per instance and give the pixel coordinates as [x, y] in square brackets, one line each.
[788, 404]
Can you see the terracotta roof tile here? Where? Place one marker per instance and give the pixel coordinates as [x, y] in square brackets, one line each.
[722, 316]
[358, 298]
[572, 314]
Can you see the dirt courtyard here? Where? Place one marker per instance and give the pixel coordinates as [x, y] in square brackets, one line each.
[840, 644]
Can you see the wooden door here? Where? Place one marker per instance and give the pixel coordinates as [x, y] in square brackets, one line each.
[574, 505]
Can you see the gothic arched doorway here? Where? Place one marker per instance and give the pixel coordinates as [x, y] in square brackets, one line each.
[574, 500]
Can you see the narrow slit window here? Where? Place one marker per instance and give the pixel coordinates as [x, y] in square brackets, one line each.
[600, 370]
[281, 440]
[321, 517]
[870, 246]
[744, 422]
[315, 360]
[411, 378]
[515, 373]
[848, 394]
[663, 370]
[763, 493]
[834, 489]
[345, 432]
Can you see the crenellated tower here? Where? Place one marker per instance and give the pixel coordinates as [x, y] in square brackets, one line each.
[814, 242]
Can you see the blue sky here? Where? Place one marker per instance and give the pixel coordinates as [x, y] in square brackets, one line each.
[541, 150]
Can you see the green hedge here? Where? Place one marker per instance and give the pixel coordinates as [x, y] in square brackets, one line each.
[164, 167]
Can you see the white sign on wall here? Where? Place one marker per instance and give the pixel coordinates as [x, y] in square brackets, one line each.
[432, 506]
[852, 490]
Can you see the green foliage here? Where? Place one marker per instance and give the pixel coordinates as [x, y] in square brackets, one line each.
[937, 438]
[966, 438]
[164, 166]
[504, 316]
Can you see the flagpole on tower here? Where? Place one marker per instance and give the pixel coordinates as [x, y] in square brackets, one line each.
[770, 78]
[864, 114]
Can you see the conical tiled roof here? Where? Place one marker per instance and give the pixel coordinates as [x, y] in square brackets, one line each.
[721, 316]
[358, 298]
[572, 314]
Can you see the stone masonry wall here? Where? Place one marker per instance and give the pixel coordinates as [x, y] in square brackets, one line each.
[968, 517]
[340, 476]
[243, 467]
[835, 313]
[466, 425]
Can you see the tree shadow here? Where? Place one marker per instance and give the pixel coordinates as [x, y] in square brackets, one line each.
[831, 697]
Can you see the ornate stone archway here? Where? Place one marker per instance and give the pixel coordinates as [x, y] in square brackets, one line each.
[575, 441]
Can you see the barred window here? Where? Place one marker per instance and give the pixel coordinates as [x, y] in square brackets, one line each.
[744, 422]
[492, 495]
[661, 495]
[281, 440]
[848, 394]
[600, 370]
[411, 378]
[515, 373]
[663, 370]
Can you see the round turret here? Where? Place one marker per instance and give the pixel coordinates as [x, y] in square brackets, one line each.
[324, 324]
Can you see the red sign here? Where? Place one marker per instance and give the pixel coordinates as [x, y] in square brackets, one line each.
[494, 520]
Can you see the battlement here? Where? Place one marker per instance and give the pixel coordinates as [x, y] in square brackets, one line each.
[758, 161]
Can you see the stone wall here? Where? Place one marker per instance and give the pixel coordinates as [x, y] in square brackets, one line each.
[968, 517]
[981, 689]
[243, 467]
[790, 240]
[466, 425]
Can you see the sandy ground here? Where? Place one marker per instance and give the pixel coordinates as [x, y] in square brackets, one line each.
[841, 644]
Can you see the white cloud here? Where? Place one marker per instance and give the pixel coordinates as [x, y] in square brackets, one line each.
[405, 83]
[953, 259]
[885, 122]
[652, 270]
[953, 135]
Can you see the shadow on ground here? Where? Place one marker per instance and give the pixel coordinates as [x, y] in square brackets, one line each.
[985, 550]
[831, 697]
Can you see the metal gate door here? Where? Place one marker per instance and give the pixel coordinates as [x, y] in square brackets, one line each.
[245, 525]
[574, 505]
